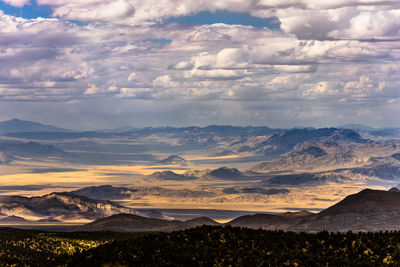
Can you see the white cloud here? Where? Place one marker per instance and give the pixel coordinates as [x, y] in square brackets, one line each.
[296, 68]
[308, 19]
[140, 93]
[44, 84]
[92, 89]
[253, 72]
[91, 10]
[132, 76]
[113, 88]
[365, 86]
[321, 88]
[183, 65]
[315, 23]
[203, 60]
[383, 24]
[17, 3]
[164, 81]
[348, 22]
[231, 58]
[214, 74]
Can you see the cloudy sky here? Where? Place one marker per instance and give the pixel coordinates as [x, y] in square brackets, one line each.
[282, 63]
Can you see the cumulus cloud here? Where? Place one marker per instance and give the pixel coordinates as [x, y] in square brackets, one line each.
[17, 3]
[320, 88]
[164, 81]
[91, 90]
[378, 25]
[136, 11]
[328, 55]
[138, 93]
[91, 10]
[340, 23]
[307, 19]
[231, 58]
[214, 74]
[132, 76]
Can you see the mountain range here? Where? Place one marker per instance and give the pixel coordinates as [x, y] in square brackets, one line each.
[313, 156]
[24, 126]
[109, 192]
[368, 210]
[63, 207]
[280, 149]
[223, 173]
[227, 165]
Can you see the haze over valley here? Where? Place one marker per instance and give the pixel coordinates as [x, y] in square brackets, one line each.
[221, 172]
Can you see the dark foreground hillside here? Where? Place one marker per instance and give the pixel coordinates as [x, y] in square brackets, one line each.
[201, 246]
[35, 248]
[224, 246]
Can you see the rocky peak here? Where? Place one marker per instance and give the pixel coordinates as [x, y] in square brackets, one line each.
[394, 189]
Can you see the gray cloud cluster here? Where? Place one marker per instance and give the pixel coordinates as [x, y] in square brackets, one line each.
[308, 19]
[124, 66]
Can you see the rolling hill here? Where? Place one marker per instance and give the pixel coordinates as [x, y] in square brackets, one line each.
[368, 210]
[134, 223]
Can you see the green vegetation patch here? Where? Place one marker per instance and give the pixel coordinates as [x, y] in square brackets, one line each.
[35, 248]
[201, 246]
[229, 246]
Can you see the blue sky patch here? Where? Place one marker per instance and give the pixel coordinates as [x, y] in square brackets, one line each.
[159, 40]
[206, 17]
[232, 18]
[31, 11]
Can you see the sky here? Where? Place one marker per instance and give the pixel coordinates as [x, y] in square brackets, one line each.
[91, 64]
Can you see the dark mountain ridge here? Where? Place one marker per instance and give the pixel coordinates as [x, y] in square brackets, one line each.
[119, 193]
[368, 210]
[312, 156]
[226, 173]
[285, 140]
[170, 175]
[223, 173]
[173, 159]
[134, 223]
[16, 125]
[30, 149]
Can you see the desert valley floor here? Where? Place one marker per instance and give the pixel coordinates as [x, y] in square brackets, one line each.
[221, 172]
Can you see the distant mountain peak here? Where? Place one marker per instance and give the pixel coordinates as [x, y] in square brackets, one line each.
[201, 221]
[173, 159]
[226, 173]
[170, 175]
[394, 189]
[13, 219]
[366, 201]
[10, 150]
[17, 125]
[301, 213]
